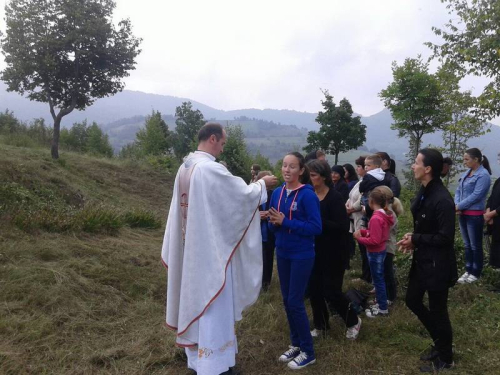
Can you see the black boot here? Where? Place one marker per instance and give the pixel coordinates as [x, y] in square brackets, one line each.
[436, 366]
[431, 355]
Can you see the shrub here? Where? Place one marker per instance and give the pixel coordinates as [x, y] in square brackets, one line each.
[98, 219]
[141, 219]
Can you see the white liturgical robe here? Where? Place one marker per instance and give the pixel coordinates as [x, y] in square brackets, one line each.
[212, 242]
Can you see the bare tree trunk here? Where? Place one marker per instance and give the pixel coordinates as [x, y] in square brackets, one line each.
[336, 158]
[54, 150]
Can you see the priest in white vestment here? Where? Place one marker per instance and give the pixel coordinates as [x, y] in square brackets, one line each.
[213, 253]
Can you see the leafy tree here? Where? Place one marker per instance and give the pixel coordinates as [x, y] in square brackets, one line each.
[154, 138]
[187, 125]
[8, 122]
[339, 131]
[235, 153]
[265, 164]
[40, 133]
[472, 46]
[66, 53]
[75, 138]
[98, 142]
[463, 121]
[415, 101]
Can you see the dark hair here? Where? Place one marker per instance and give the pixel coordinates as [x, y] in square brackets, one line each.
[322, 168]
[392, 168]
[256, 167]
[447, 160]
[483, 160]
[304, 179]
[434, 159]
[384, 156]
[352, 172]
[209, 129]
[361, 161]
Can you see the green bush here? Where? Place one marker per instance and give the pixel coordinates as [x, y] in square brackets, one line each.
[98, 219]
[141, 219]
[47, 219]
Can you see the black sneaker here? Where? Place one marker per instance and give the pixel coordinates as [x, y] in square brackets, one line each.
[436, 366]
[431, 355]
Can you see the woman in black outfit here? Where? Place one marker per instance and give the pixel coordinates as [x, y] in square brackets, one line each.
[492, 218]
[339, 182]
[332, 255]
[434, 267]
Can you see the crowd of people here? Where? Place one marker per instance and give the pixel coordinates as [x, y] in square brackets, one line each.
[313, 222]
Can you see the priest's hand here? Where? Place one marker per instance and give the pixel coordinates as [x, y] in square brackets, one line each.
[264, 215]
[276, 217]
[270, 181]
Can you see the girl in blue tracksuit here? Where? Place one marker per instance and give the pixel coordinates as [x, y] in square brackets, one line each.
[294, 217]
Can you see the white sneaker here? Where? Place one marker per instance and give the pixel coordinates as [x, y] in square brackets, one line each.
[301, 361]
[318, 332]
[471, 279]
[463, 278]
[291, 353]
[374, 311]
[353, 332]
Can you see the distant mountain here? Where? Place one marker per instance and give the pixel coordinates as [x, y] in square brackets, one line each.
[128, 104]
[272, 131]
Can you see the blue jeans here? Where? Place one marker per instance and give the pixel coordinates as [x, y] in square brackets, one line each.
[376, 261]
[471, 228]
[294, 276]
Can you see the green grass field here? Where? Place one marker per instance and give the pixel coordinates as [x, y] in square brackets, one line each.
[77, 302]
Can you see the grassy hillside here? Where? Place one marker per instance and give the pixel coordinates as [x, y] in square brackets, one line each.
[80, 302]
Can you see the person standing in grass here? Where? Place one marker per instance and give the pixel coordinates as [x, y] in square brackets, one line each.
[470, 199]
[375, 239]
[434, 267]
[355, 210]
[492, 219]
[267, 238]
[212, 250]
[295, 219]
[396, 208]
[332, 256]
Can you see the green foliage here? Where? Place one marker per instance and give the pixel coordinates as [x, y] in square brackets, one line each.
[141, 219]
[235, 153]
[8, 123]
[339, 131]
[154, 138]
[86, 139]
[66, 53]
[187, 125]
[263, 162]
[471, 46]
[416, 104]
[464, 121]
[98, 219]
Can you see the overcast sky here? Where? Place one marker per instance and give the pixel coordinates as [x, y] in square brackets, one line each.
[276, 54]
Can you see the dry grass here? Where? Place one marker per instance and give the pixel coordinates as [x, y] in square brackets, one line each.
[78, 303]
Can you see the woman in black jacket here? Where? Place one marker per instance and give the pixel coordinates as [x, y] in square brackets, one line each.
[434, 267]
[332, 256]
[492, 218]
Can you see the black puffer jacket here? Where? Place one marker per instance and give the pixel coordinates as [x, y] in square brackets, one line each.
[434, 261]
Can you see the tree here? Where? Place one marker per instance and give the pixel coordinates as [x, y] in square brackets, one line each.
[98, 142]
[8, 122]
[66, 53]
[187, 125]
[472, 46]
[415, 101]
[339, 131]
[235, 153]
[154, 138]
[463, 122]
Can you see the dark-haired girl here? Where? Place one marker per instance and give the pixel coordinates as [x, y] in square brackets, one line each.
[470, 199]
[295, 219]
[350, 176]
